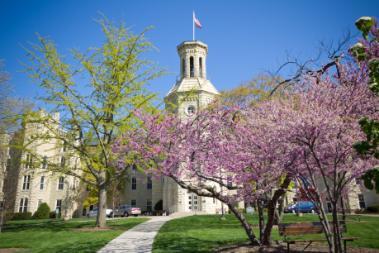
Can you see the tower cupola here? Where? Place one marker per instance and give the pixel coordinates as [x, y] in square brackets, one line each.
[193, 55]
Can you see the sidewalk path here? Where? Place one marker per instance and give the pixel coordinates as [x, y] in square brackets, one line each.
[138, 239]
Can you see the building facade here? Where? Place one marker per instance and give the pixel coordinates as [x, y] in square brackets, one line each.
[30, 181]
[191, 92]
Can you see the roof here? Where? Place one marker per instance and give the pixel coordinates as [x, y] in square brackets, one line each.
[193, 84]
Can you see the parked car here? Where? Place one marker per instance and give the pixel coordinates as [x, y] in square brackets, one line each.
[301, 207]
[126, 210]
[93, 212]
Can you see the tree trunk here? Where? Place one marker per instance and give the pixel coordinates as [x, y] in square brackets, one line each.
[280, 210]
[343, 210]
[271, 211]
[2, 215]
[261, 219]
[102, 205]
[336, 230]
[245, 224]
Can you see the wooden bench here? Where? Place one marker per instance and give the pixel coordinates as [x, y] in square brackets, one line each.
[293, 229]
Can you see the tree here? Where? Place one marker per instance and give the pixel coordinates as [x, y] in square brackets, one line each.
[96, 99]
[218, 154]
[252, 92]
[366, 53]
[323, 127]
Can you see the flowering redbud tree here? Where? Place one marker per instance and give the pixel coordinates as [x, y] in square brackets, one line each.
[219, 153]
[323, 128]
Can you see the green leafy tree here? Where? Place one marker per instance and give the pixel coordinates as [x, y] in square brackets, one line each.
[251, 92]
[366, 52]
[96, 97]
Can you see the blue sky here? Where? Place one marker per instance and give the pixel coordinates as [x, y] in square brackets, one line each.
[244, 37]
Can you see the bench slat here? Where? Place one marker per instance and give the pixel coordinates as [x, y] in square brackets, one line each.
[304, 228]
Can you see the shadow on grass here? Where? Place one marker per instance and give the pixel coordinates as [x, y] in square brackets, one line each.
[182, 245]
[61, 225]
[87, 246]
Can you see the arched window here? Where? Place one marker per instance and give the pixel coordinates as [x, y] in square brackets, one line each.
[183, 67]
[201, 67]
[192, 69]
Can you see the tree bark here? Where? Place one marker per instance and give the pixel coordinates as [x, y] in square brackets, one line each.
[336, 230]
[261, 219]
[245, 224]
[271, 210]
[102, 205]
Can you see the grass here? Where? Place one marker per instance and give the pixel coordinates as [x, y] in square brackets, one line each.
[205, 233]
[62, 236]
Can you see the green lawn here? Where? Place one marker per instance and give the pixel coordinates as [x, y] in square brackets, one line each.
[62, 236]
[204, 233]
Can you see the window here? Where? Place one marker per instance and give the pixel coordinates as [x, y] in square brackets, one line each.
[134, 183]
[149, 182]
[42, 183]
[58, 205]
[134, 169]
[64, 146]
[192, 69]
[63, 161]
[201, 67]
[60, 183]
[133, 202]
[26, 183]
[149, 205]
[44, 162]
[229, 181]
[191, 110]
[23, 205]
[329, 206]
[29, 161]
[361, 199]
[8, 164]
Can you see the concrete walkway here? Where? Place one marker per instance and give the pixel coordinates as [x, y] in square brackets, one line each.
[140, 238]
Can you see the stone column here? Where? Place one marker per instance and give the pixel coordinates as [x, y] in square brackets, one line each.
[196, 65]
[187, 74]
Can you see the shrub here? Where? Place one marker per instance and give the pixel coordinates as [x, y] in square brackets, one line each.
[373, 209]
[43, 212]
[9, 216]
[22, 216]
[52, 215]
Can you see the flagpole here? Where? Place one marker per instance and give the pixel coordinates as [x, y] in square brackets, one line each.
[193, 25]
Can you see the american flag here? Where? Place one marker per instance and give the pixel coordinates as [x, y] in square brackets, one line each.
[196, 21]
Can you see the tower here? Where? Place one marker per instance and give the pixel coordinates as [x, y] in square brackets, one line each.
[191, 92]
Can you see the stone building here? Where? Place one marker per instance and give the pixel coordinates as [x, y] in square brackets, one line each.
[29, 180]
[191, 92]
[4, 157]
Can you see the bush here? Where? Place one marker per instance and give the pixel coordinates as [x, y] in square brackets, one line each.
[43, 212]
[22, 216]
[52, 215]
[373, 209]
[8, 216]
